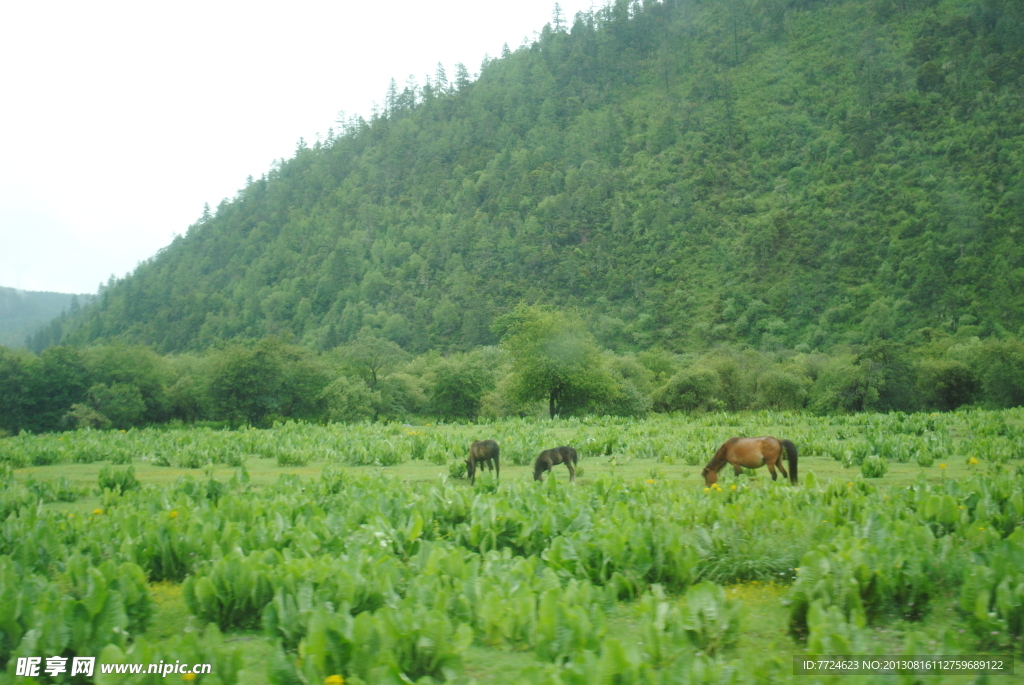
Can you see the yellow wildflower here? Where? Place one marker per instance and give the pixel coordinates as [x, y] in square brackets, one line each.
[334, 680]
[707, 489]
[942, 466]
[97, 511]
[732, 487]
[185, 676]
[174, 513]
[650, 480]
[972, 461]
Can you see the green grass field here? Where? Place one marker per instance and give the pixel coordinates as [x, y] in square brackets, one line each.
[889, 537]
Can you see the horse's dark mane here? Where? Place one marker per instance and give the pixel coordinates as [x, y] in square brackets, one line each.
[718, 461]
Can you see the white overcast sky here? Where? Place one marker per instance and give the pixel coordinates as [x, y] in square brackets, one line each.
[119, 119]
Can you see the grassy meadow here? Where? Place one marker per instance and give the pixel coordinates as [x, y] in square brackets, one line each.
[303, 552]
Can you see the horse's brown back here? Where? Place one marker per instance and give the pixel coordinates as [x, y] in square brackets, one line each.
[482, 450]
[752, 453]
[485, 453]
[558, 455]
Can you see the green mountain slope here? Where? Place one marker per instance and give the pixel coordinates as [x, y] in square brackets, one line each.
[23, 311]
[792, 173]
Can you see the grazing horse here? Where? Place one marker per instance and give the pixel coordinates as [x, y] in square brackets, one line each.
[485, 453]
[558, 455]
[752, 453]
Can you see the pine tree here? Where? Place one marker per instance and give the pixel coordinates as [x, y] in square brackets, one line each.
[391, 99]
[461, 76]
[441, 79]
[557, 18]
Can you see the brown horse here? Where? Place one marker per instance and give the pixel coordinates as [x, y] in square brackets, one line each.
[485, 453]
[752, 453]
[558, 455]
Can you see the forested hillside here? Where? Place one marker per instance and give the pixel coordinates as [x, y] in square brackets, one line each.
[22, 312]
[775, 173]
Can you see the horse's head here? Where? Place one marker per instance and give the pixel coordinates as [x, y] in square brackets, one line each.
[710, 476]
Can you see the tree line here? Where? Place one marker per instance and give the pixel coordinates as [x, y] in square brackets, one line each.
[547, 363]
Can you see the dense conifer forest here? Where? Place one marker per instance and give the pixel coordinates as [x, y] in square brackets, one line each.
[819, 189]
[768, 172]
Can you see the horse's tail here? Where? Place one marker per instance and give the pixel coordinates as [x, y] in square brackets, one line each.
[574, 454]
[791, 457]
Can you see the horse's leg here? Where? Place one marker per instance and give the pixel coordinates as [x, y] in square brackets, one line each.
[471, 467]
[572, 470]
[771, 468]
[737, 469]
[777, 459]
[497, 468]
[778, 462]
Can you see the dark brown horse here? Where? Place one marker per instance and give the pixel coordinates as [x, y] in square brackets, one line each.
[485, 453]
[752, 453]
[558, 455]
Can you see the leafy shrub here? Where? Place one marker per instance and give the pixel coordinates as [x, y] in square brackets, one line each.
[693, 389]
[397, 644]
[992, 595]
[942, 511]
[20, 594]
[199, 490]
[661, 627]
[84, 416]
[833, 632]
[844, 385]
[60, 491]
[301, 586]
[569, 620]
[350, 400]
[457, 469]
[206, 647]
[833, 579]
[86, 609]
[126, 580]
[292, 458]
[874, 467]
[778, 389]
[947, 383]
[233, 594]
[121, 403]
[709, 620]
[119, 480]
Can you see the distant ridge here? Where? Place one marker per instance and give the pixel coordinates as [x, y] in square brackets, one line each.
[22, 312]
